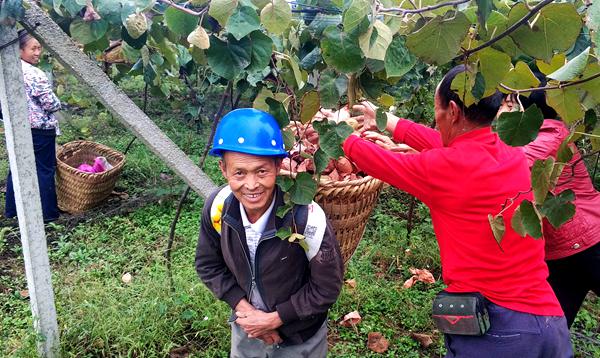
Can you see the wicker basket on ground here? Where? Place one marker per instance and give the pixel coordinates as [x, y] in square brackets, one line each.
[348, 205]
[79, 191]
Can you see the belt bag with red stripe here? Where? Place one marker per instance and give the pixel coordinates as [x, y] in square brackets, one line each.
[461, 313]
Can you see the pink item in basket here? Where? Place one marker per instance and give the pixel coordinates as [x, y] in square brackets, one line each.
[100, 165]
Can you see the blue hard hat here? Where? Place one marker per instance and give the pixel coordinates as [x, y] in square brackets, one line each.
[250, 131]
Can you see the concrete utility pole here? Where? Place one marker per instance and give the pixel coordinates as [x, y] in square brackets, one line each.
[29, 209]
[41, 26]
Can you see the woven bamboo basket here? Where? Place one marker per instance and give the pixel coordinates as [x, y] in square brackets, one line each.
[348, 205]
[78, 191]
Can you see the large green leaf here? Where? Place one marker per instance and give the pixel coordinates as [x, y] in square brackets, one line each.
[439, 40]
[310, 105]
[375, 42]
[87, 32]
[557, 62]
[494, 66]
[571, 69]
[220, 10]
[592, 87]
[520, 128]
[229, 58]
[276, 16]
[463, 85]
[554, 29]
[180, 22]
[355, 13]
[328, 90]
[559, 209]
[304, 189]
[520, 77]
[329, 139]
[277, 110]
[484, 9]
[398, 60]
[566, 103]
[242, 22]
[262, 48]
[540, 179]
[341, 50]
[530, 221]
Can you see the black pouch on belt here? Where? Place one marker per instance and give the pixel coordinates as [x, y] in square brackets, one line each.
[461, 313]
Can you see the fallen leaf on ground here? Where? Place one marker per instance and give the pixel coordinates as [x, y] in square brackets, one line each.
[126, 278]
[424, 339]
[351, 319]
[180, 352]
[351, 283]
[377, 342]
[422, 275]
[24, 293]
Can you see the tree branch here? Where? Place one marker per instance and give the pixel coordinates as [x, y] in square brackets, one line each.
[423, 9]
[506, 32]
[545, 88]
[185, 9]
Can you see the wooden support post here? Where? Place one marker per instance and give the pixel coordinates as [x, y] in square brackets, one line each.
[29, 209]
[41, 26]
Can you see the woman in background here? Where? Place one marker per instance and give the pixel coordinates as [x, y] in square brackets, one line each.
[41, 103]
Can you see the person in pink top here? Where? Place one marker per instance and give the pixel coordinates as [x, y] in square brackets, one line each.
[464, 172]
[572, 250]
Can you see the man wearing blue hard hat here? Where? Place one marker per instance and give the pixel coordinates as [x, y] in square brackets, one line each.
[278, 291]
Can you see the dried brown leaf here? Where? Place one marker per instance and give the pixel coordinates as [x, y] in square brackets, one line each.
[377, 342]
[351, 283]
[351, 319]
[424, 339]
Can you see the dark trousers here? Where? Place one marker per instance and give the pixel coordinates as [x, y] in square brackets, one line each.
[514, 334]
[44, 148]
[573, 277]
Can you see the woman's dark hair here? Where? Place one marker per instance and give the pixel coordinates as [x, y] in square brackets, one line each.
[539, 98]
[482, 112]
[24, 37]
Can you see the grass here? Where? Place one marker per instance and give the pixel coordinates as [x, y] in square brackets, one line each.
[102, 316]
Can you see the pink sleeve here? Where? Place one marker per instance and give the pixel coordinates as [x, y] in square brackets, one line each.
[416, 135]
[406, 172]
[551, 135]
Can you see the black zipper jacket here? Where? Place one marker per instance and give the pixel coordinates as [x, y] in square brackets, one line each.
[301, 291]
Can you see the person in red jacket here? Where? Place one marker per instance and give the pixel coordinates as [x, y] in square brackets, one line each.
[464, 173]
[572, 250]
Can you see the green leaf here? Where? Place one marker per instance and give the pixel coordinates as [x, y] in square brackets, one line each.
[310, 59]
[356, 12]
[381, 119]
[571, 69]
[557, 62]
[463, 85]
[303, 244]
[277, 110]
[343, 130]
[478, 86]
[330, 141]
[559, 209]
[296, 237]
[288, 139]
[520, 77]
[321, 160]
[341, 50]
[494, 66]
[328, 90]
[284, 232]
[135, 43]
[530, 219]
[228, 58]
[593, 22]
[242, 22]
[261, 50]
[540, 179]
[556, 172]
[520, 128]
[565, 152]
[309, 106]
[592, 87]
[304, 189]
[517, 222]
[554, 29]
[375, 42]
[285, 182]
[299, 76]
[484, 9]
[86, 32]
[276, 16]
[180, 22]
[439, 40]
[398, 60]
[566, 103]
[497, 225]
[220, 10]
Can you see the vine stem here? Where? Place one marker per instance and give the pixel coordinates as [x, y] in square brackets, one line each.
[184, 9]
[506, 32]
[545, 88]
[216, 120]
[423, 9]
